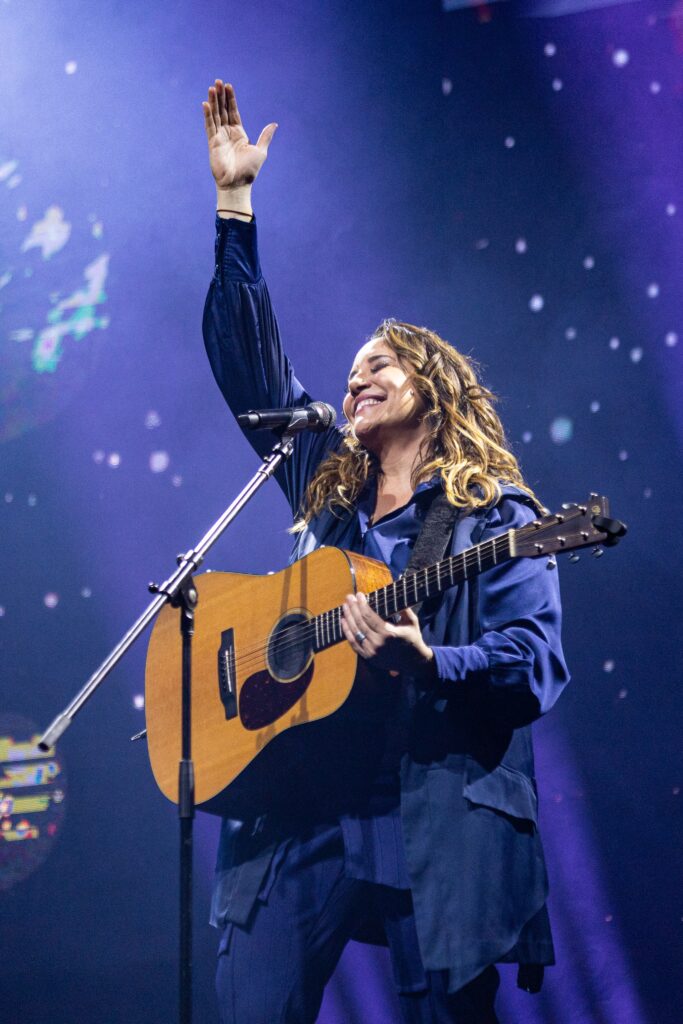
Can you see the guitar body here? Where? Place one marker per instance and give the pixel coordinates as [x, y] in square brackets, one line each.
[251, 685]
[269, 655]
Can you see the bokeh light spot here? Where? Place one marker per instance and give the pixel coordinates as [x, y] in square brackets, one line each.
[159, 461]
[561, 429]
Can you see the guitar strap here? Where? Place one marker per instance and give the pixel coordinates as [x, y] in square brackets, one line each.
[434, 538]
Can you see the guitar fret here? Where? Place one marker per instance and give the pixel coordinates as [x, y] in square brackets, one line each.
[413, 587]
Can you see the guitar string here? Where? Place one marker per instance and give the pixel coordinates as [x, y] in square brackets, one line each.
[300, 632]
[303, 632]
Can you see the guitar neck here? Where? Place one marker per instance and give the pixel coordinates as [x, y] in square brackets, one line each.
[414, 587]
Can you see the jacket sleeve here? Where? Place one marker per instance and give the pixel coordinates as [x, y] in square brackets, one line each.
[243, 344]
[517, 663]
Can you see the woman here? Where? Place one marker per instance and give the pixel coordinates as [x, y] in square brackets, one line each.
[429, 840]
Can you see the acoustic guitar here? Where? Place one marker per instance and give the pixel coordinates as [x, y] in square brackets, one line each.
[269, 654]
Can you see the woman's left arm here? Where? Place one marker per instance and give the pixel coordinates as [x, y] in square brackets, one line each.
[515, 665]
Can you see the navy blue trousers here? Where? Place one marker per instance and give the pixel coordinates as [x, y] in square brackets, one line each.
[274, 970]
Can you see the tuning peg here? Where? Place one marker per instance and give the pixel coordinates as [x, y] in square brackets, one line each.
[574, 557]
[597, 552]
[569, 504]
[153, 588]
[551, 563]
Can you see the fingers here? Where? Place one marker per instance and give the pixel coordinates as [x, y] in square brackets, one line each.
[212, 120]
[229, 102]
[350, 635]
[409, 618]
[359, 619]
[222, 103]
[266, 136]
[209, 123]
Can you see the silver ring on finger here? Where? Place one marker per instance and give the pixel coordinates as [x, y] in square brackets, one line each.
[360, 637]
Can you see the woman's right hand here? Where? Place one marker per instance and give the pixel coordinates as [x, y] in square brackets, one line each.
[234, 161]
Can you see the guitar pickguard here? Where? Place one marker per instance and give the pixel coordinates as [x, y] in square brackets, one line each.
[263, 699]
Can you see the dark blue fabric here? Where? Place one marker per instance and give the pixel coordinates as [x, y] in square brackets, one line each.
[478, 880]
[274, 967]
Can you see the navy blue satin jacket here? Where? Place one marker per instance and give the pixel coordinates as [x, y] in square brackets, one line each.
[468, 804]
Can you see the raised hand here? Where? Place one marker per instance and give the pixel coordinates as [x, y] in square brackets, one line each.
[234, 161]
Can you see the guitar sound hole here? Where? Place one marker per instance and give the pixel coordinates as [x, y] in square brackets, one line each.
[290, 647]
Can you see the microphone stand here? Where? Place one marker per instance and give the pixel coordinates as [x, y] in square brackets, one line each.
[179, 591]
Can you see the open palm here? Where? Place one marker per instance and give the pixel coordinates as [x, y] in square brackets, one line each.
[234, 160]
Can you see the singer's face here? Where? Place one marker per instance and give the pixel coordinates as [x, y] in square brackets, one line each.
[380, 400]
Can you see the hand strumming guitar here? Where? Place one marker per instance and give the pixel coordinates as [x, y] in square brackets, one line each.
[393, 647]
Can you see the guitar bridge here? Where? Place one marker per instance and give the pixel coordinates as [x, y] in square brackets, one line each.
[227, 682]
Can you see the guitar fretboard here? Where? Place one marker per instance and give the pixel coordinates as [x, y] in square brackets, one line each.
[414, 587]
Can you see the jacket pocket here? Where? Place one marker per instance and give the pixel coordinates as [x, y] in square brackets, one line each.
[503, 789]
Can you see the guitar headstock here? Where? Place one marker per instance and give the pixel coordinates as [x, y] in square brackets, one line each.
[576, 526]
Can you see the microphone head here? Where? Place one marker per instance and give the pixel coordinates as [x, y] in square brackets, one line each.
[327, 416]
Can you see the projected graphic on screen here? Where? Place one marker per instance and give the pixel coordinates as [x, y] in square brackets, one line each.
[52, 294]
[32, 792]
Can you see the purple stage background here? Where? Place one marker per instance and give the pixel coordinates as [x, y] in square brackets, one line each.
[509, 178]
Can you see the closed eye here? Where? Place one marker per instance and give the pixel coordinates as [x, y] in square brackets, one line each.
[373, 369]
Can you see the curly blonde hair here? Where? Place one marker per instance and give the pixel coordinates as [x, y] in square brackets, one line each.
[465, 441]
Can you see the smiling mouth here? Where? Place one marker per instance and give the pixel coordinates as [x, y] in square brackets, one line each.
[365, 403]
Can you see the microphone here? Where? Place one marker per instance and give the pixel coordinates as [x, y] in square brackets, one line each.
[317, 416]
